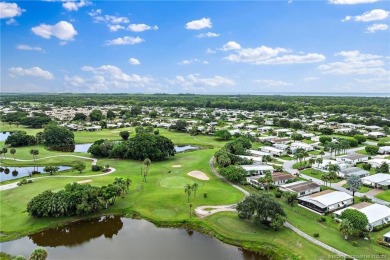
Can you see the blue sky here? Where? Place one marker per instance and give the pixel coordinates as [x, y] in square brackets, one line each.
[195, 47]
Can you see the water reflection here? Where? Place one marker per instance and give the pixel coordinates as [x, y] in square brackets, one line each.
[79, 232]
[185, 148]
[23, 171]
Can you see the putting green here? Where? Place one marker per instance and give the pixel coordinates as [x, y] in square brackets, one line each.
[175, 182]
[164, 213]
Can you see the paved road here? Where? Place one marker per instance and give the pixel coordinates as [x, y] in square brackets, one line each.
[287, 166]
[214, 209]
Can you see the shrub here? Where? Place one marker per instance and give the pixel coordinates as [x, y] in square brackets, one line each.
[316, 234]
[278, 194]
[355, 244]
[205, 195]
[322, 219]
[96, 168]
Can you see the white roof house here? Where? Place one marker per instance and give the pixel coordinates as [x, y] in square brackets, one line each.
[376, 162]
[376, 134]
[384, 149]
[352, 159]
[257, 169]
[301, 188]
[257, 153]
[353, 171]
[273, 150]
[377, 180]
[301, 145]
[253, 158]
[326, 201]
[376, 214]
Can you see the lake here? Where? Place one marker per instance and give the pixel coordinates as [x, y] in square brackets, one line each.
[82, 148]
[113, 237]
[24, 171]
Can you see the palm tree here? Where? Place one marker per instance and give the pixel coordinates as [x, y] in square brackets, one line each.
[190, 205]
[312, 161]
[147, 162]
[187, 190]
[12, 151]
[266, 179]
[194, 187]
[325, 178]
[346, 228]
[38, 254]
[322, 153]
[319, 161]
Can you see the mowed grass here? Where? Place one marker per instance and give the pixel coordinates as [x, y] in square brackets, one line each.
[161, 198]
[384, 195]
[229, 226]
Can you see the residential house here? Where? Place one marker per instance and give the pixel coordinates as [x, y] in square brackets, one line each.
[379, 180]
[257, 169]
[386, 238]
[353, 171]
[326, 201]
[376, 214]
[384, 150]
[375, 134]
[376, 162]
[257, 153]
[352, 159]
[273, 150]
[301, 145]
[301, 188]
[278, 178]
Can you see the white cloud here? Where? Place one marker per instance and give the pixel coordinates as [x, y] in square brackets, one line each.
[264, 55]
[186, 62]
[115, 27]
[61, 30]
[26, 47]
[107, 78]
[134, 61]
[210, 51]
[272, 83]
[141, 27]
[373, 15]
[199, 24]
[231, 45]
[194, 80]
[33, 72]
[351, 2]
[126, 40]
[74, 5]
[207, 35]
[10, 10]
[310, 79]
[113, 22]
[377, 27]
[354, 62]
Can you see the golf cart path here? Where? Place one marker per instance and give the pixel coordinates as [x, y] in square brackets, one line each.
[94, 161]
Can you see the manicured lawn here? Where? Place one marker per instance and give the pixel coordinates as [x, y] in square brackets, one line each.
[307, 141]
[384, 195]
[363, 151]
[317, 174]
[228, 226]
[300, 164]
[315, 152]
[385, 139]
[287, 158]
[363, 189]
[161, 198]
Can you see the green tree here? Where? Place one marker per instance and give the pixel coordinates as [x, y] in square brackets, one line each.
[354, 183]
[360, 138]
[223, 135]
[262, 208]
[51, 169]
[110, 115]
[371, 149]
[357, 219]
[4, 151]
[135, 111]
[38, 254]
[147, 162]
[195, 187]
[296, 125]
[266, 179]
[383, 168]
[125, 135]
[296, 136]
[233, 173]
[79, 166]
[20, 138]
[290, 197]
[12, 151]
[57, 136]
[180, 125]
[79, 117]
[324, 139]
[96, 115]
[346, 228]
[319, 161]
[188, 190]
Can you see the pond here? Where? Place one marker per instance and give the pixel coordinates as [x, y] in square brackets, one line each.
[24, 171]
[185, 148]
[82, 148]
[112, 237]
[4, 135]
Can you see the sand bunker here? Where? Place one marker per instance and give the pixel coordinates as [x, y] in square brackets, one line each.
[199, 175]
[84, 181]
[176, 166]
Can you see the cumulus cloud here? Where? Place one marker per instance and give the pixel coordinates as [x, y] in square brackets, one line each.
[134, 61]
[106, 78]
[199, 24]
[25, 47]
[33, 72]
[126, 40]
[10, 10]
[61, 30]
[207, 35]
[113, 22]
[377, 27]
[194, 80]
[231, 45]
[272, 83]
[373, 15]
[354, 62]
[264, 55]
[351, 2]
[75, 5]
[141, 27]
